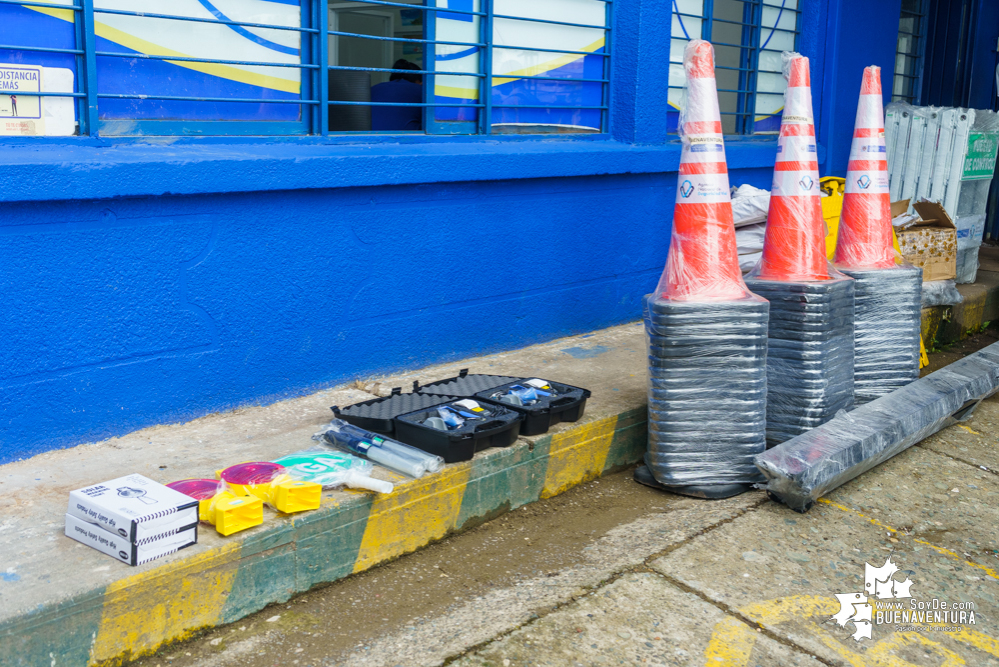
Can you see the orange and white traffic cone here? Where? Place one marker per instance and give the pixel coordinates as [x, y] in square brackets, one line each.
[865, 236]
[703, 261]
[794, 242]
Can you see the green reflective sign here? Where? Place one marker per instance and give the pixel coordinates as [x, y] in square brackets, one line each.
[981, 159]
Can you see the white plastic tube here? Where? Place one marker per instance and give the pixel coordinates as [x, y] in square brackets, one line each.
[358, 480]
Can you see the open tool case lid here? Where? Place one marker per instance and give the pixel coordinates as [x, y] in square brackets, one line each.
[567, 406]
[402, 415]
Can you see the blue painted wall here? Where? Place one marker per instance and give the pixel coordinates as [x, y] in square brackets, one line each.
[149, 281]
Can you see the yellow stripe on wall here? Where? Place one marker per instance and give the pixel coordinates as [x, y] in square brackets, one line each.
[417, 513]
[148, 48]
[578, 455]
[167, 603]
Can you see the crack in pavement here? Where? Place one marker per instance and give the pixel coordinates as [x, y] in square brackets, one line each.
[591, 589]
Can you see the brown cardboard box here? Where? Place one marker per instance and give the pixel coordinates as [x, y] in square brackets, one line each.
[930, 243]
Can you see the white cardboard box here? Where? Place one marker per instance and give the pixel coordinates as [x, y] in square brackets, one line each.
[128, 552]
[134, 507]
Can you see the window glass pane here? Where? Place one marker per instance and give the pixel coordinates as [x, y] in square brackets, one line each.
[748, 37]
[24, 71]
[779, 22]
[454, 89]
[361, 62]
[909, 51]
[687, 25]
[128, 87]
[546, 50]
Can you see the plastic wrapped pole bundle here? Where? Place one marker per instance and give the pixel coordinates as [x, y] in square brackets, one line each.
[706, 332]
[888, 295]
[389, 453]
[810, 346]
[804, 469]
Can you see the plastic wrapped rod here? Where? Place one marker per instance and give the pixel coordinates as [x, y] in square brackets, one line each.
[389, 453]
[811, 465]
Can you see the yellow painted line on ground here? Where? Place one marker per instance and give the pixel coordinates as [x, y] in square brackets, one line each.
[732, 641]
[413, 516]
[969, 430]
[578, 455]
[167, 603]
[946, 552]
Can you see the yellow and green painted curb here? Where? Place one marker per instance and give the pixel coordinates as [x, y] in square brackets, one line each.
[142, 612]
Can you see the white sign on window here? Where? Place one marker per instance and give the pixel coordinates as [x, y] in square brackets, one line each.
[21, 112]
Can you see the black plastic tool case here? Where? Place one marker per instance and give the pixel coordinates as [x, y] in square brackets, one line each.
[568, 406]
[399, 416]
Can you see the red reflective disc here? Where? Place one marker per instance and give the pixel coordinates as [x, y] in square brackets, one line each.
[199, 489]
[252, 473]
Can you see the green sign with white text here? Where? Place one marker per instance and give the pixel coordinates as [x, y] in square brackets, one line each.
[981, 159]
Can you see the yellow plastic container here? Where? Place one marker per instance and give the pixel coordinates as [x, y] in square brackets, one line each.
[282, 493]
[230, 513]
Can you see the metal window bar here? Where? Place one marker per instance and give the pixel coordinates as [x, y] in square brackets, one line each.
[79, 94]
[486, 44]
[751, 46]
[911, 84]
[486, 127]
[313, 63]
[309, 50]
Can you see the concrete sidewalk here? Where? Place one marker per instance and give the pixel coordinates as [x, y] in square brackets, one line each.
[615, 573]
[64, 602]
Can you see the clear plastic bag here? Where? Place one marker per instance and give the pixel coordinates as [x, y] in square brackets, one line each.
[940, 293]
[332, 469]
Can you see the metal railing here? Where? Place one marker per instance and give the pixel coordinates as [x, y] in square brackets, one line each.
[312, 63]
[739, 102]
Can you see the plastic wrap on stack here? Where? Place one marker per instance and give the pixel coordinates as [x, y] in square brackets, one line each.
[707, 390]
[888, 293]
[810, 353]
[810, 345]
[887, 327]
[706, 332]
[804, 469]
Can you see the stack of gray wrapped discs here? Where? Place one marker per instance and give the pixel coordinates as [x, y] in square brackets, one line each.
[810, 353]
[707, 391]
[886, 343]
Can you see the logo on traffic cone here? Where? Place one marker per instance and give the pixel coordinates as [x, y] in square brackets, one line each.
[865, 236]
[703, 261]
[794, 241]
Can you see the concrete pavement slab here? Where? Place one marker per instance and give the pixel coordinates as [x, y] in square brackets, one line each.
[973, 441]
[639, 619]
[784, 570]
[433, 640]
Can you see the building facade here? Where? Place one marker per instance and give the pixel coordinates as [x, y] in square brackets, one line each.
[213, 204]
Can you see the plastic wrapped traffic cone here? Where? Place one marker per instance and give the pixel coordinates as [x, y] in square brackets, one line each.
[794, 242]
[865, 236]
[703, 261]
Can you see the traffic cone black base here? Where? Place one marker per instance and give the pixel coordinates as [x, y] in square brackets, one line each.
[888, 321]
[810, 354]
